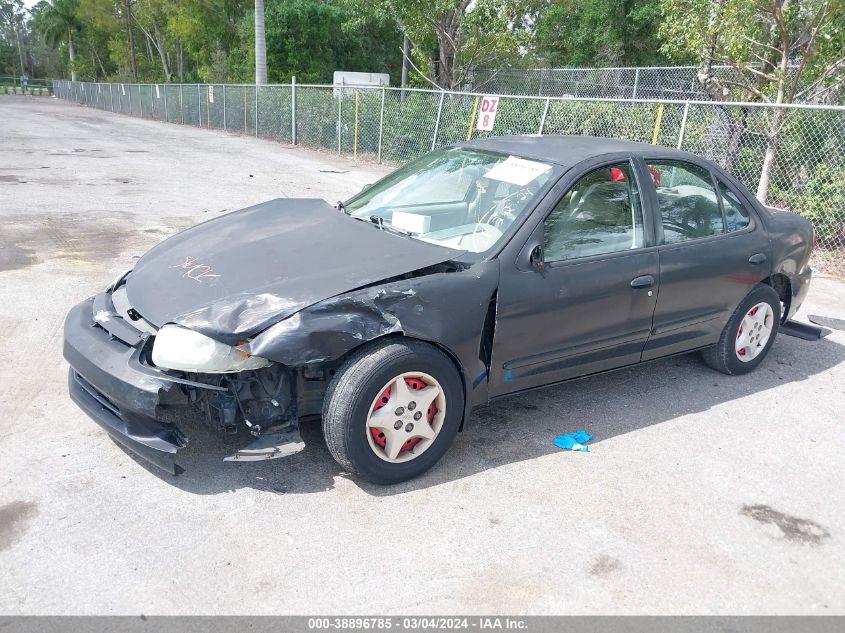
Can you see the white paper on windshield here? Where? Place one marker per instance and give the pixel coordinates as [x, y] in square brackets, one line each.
[517, 171]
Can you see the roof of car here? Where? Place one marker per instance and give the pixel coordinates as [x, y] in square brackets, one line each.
[568, 150]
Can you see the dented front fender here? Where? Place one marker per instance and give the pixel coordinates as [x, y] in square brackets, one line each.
[448, 309]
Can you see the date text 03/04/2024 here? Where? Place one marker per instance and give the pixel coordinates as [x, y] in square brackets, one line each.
[416, 623]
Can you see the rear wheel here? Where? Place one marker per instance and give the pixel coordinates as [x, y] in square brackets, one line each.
[392, 410]
[748, 335]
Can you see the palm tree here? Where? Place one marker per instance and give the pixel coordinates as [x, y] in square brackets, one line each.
[57, 21]
[260, 45]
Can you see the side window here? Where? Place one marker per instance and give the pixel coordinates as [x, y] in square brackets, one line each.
[689, 207]
[736, 215]
[600, 214]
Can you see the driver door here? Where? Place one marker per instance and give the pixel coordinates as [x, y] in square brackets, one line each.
[588, 306]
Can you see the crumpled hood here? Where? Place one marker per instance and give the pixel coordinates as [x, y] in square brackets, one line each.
[236, 275]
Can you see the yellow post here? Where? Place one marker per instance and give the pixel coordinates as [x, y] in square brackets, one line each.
[657, 121]
[472, 118]
[355, 142]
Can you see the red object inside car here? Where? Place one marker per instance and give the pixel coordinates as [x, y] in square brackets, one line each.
[655, 175]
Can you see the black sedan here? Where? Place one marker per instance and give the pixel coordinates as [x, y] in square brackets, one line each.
[475, 272]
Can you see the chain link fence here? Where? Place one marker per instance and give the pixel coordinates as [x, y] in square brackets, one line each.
[10, 85]
[395, 125]
[623, 82]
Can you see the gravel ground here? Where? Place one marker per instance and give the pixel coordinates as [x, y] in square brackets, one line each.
[700, 494]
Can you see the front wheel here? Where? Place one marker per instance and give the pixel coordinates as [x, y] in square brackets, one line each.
[392, 410]
[748, 335]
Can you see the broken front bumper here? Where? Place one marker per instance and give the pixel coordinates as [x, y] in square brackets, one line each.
[136, 403]
[108, 381]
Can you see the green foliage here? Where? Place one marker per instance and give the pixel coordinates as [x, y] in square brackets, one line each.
[11, 20]
[756, 36]
[822, 200]
[598, 33]
[214, 39]
[54, 21]
[313, 39]
[451, 36]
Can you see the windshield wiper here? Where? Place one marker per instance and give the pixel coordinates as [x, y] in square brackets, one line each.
[379, 222]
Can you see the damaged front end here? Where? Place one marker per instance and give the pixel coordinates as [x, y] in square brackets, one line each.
[141, 407]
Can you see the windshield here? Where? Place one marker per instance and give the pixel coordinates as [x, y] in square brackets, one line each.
[454, 197]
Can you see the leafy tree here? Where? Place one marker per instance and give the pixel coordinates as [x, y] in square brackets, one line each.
[450, 37]
[311, 39]
[780, 50]
[58, 22]
[101, 25]
[210, 34]
[598, 33]
[130, 39]
[12, 22]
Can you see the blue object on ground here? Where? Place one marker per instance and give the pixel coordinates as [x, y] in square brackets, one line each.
[574, 441]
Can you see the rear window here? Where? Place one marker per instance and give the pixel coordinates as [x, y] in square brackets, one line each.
[736, 215]
[689, 206]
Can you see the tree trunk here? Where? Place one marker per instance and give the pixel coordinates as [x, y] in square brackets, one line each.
[444, 73]
[406, 66]
[712, 86]
[766, 172]
[773, 139]
[20, 49]
[71, 56]
[165, 67]
[260, 45]
[406, 56]
[99, 62]
[133, 67]
[448, 51]
[773, 135]
[737, 131]
[180, 64]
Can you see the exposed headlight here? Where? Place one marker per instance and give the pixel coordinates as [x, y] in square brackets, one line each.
[176, 347]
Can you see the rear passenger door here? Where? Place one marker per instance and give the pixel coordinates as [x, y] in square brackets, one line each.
[712, 252]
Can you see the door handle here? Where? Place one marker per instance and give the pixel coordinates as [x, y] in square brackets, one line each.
[757, 258]
[643, 281]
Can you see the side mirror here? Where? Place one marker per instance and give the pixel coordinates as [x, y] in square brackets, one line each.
[536, 258]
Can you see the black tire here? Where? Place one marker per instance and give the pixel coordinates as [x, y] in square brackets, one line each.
[350, 394]
[722, 356]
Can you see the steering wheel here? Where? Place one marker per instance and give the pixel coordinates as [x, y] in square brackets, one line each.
[505, 211]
